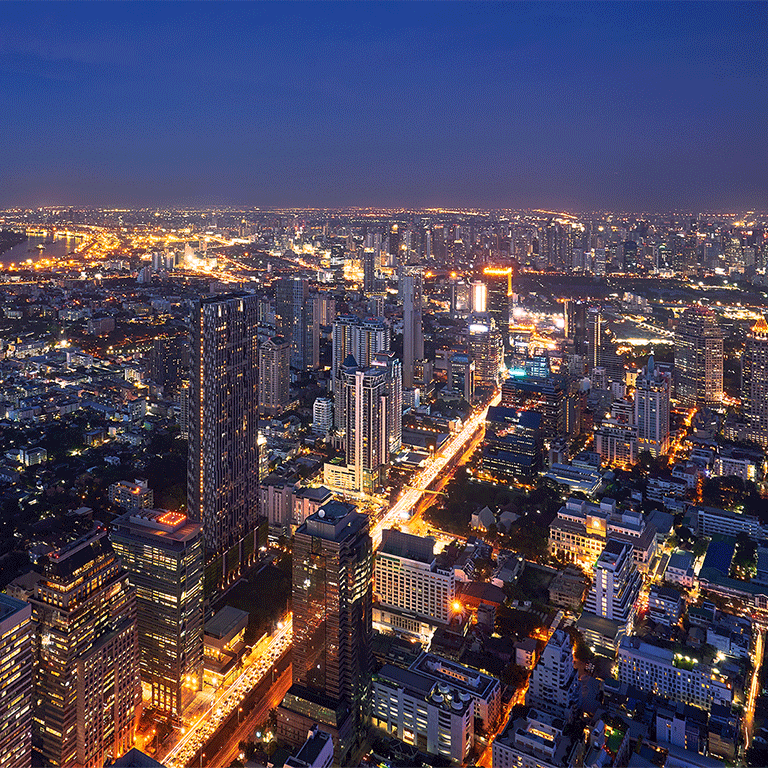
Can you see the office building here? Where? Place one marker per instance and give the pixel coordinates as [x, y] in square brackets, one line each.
[394, 409]
[698, 358]
[554, 682]
[322, 416]
[575, 318]
[274, 375]
[652, 410]
[674, 675]
[295, 321]
[223, 464]
[461, 376]
[484, 348]
[498, 282]
[16, 676]
[332, 577]
[754, 383]
[545, 396]
[512, 447]
[87, 686]
[414, 589]
[163, 554]
[131, 495]
[366, 407]
[411, 289]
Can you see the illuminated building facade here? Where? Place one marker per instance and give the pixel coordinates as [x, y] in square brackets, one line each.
[409, 583]
[15, 682]
[223, 465]
[512, 447]
[652, 410]
[87, 686]
[163, 554]
[274, 375]
[498, 281]
[698, 358]
[366, 410]
[332, 589]
[545, 396]
[394, 408]
[754, 383]
[484, 348]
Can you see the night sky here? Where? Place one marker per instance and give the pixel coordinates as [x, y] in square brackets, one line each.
[628, 106]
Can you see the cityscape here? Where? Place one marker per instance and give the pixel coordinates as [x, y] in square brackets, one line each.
[405, 485]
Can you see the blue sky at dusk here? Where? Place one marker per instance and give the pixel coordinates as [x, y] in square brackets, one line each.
[626, 106]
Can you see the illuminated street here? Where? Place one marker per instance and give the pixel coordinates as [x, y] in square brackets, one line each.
[205, 725]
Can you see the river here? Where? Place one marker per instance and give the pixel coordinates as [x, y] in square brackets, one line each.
[60, 246]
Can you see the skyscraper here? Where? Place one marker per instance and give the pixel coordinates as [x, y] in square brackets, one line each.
[554, 684]
[411, 289]
[609, 612]
[394, 369]
[754, 383]
[332, 588]
[274, 375]
[652, 410]
[484, 348]
[369, 270]
[87, 656]
[498, 281]
[163, 554]
[698, 358]
[360, 338]
[15, 683]
[222, 473]
[295, 321]
[366, 410]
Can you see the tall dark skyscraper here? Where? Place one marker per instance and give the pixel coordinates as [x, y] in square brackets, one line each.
[411, 289]
[332, 589]
[754, 383]
[295, 321]
[369, 270]
[222, 475]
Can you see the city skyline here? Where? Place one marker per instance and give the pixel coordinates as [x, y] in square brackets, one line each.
[567, 106]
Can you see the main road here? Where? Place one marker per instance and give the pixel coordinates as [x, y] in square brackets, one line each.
[441, 461]
[438, 469]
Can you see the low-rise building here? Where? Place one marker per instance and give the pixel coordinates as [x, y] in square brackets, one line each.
[131, 496]
[534, 741]
[435, 717]
[317, 751]
[680, 569]
[671, 674]
[665, 605]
